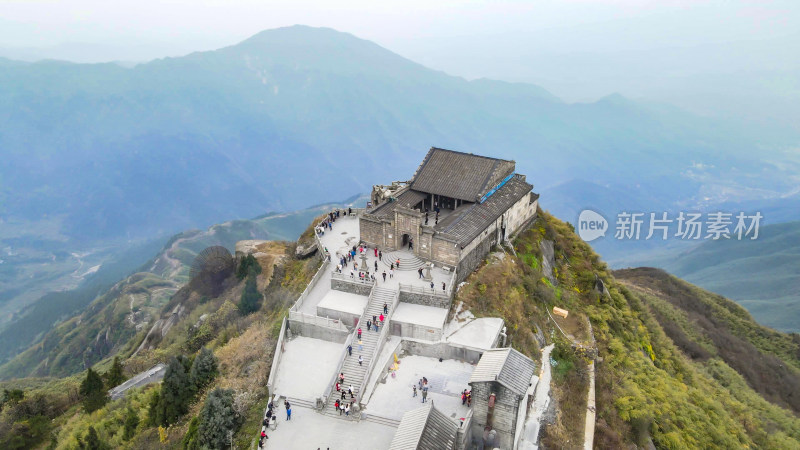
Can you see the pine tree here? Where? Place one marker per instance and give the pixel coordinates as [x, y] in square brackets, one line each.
[204, 368]
[251, 298]
[176, 393]
[248, 266]
[154, 413]
[93, 441]
[190, 439]
[93, 392]
[115, 375]
[217, 418]
[131, 422]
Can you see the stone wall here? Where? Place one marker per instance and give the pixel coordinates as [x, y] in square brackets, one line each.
[318, 332]
[425, 299]
[445, 252]
[348, 319]
[425, 243]
[506, 407]
[371, 230]
[407, 221]
[415, 331]
[442, 350]
[476, 255]
[353, 287]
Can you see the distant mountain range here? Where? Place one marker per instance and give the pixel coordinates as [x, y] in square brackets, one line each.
[296, 114]
[763, 275]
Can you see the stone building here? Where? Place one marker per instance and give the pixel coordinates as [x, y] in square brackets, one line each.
[425, 428]
[501, 386]
[452, 211]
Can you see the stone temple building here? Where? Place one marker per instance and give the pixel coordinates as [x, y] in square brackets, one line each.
[501, 391]
[452, 211]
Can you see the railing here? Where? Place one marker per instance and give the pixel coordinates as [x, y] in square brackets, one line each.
[425, 290]
[341, 276]
[310, 286]
[276, 359]
[317, 320]
[378, 345]
[326, 255]
[327, 392]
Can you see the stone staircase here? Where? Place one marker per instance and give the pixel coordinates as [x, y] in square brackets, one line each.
[353, 372]
[408, 261]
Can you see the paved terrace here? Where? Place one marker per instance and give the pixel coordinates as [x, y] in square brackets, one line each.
[306, 367]
[344, 235]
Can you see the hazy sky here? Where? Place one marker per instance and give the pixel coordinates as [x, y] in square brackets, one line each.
[580, 49]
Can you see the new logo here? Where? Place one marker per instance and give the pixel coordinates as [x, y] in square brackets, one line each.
[591, 225]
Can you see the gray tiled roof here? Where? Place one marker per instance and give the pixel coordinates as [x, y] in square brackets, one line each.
[425, 428]
[407, 198]
[506, 366]
[459, 175]
[475, 218]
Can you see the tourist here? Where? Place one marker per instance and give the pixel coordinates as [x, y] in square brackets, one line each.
[443, 287]
[369, 325]
[286, 404]
[420, 384]
[376, 266]
[376, 327]
[424, 394]
[375, 320]
[350, 350]
[431, 284]
[469, 399]
[341, 406]
[338, 387]
[385, 309]
[341, 377]
[360, 360]
[463, 397]
[352, 274]
[419, 271]
[384, 276]
[336, 405]
[289, 413]
[414, 387]
[376, 253]
[397, 263]
[360, 344]
[359, 333]
[347, 410]
[391, 267]
[344, 394]
[391, 273]
[351, 390]
[380, 255]
[350, 211]
[382, 317]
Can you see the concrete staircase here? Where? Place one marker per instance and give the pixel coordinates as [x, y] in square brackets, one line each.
[408, 261]
[353, 372]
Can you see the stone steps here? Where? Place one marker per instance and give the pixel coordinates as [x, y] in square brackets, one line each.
[407, 260]
[383, 420]
[353, 372]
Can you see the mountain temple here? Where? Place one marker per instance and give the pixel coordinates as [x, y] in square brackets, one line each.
[452, 211]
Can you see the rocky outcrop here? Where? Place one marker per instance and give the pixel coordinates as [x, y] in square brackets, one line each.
[304, 251]
[548, 259]
[248, 247]
[160, 328]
